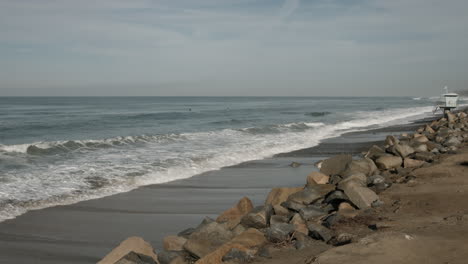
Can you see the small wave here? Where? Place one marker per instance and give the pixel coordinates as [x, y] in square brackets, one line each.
[317, 114]
[417, 98]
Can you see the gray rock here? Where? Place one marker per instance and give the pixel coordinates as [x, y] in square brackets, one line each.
[318, 231]
[391, 140]
[375, 179]
[452, 141]
[336, 197]
[186, 233]
[403, 150]
[294, 206]
[365, 166]
[420, 147]
[389, 162]
[362, 197]
[311, 193]
[264, 252]
[135, 258]
[207, 239]
[258, 218]
[375, 152]
[302, 241]
[335, 165]
[295, 164]
[237, 255]
[424, 156]
[311, 212]
[279, 232]
[278, 219]
[165, 257]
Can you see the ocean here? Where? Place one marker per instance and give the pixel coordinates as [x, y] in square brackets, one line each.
[62, 150]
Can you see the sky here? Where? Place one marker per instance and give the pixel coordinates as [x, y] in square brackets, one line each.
[232, 47]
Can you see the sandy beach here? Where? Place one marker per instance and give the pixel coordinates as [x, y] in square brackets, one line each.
[86, 231]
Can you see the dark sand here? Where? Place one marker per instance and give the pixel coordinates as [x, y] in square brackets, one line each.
[87, 231]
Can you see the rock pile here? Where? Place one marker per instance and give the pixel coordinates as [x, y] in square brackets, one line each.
[342, 189]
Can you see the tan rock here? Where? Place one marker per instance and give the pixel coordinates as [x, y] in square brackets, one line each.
[317, 178]
[251, 239]
[234, 215]
[174, 243]
[347, 210]
[335, 165]
[279, 195]
[280, 210]
[389, 162]
[412, 163]
[421, 139]
[207, 239]
[135, 244]
[300, 224]
[360, 196]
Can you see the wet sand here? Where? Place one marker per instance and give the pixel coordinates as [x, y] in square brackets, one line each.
[87, 231]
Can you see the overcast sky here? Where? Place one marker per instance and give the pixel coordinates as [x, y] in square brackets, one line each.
[233, 47]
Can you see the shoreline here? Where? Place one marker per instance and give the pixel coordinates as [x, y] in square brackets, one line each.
[38, 234]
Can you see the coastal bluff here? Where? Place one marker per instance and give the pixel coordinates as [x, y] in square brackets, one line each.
[402, 201]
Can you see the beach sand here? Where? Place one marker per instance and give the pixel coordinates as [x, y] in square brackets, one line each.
[86, 231]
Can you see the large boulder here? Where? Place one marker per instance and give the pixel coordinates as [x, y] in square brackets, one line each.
[248, 241]
[335, 165]
[258, 218]
[233, 216]
[360, 196]
[131, 244]
[317, 178]
[280, 195]
[174, 243]
[389, 162]
[207, 239]
[424, 156]
[318, 231]
[358, 178]
[311, 212]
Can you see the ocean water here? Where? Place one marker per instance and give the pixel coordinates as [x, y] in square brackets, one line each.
[63, 150]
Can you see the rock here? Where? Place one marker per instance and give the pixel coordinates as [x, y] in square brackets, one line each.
[311, 212]
[389, 162]
[420, 148]
[375, 179]
[429, 129]
[278, 219]
[412, 163]
[311, 194]
[280, 210]
[403, 150]
[335, 164]
[335, 179]
[280, 195]
[317, 178]
[207, 239]
[303, 241]
[365, 166]
[343, 239]
[375, 152]
[358, 178]
[295, 164]
[264, 252]
[424, 156]
[360, 196]
[131, 244]
[168, 257]
[279, 232]
[174, 243]
[452, 141]
[239, 229]
[336, 197]
[318, 231]
[420, 139]
[234, 215]
[347, 210]
[257, 218]
[294, 206]
[135, 258]
[186, 233]
[299, 224]
[391, 140]
[451, 117]
[236, 255]
[251, 239]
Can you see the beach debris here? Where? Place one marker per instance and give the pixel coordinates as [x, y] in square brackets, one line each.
[233, 216]
[295, 164]
[132, 244]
